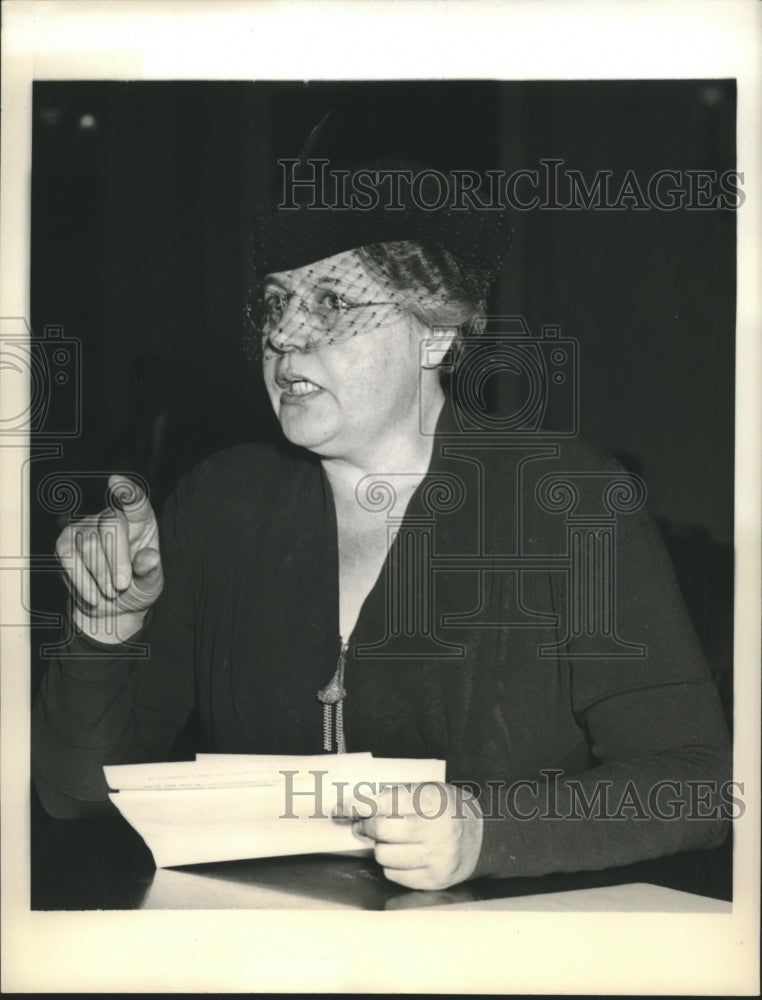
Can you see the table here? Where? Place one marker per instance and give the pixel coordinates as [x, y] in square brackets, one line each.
[104, 865]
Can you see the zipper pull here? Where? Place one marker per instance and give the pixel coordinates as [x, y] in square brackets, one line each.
[333, 691]
[332, 696]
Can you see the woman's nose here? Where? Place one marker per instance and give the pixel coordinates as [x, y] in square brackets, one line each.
[293, 329]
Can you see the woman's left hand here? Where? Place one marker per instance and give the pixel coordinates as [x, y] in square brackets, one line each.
[427, 836]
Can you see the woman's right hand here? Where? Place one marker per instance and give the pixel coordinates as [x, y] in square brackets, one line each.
[112, 564]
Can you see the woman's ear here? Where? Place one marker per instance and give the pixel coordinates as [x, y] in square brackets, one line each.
[436, 344]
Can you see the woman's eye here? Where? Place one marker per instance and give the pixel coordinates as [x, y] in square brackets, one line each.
[275, 304]
[331, 302]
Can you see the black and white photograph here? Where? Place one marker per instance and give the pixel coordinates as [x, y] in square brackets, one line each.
[375, 507]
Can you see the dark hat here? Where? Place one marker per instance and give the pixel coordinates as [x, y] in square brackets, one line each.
[324, 212]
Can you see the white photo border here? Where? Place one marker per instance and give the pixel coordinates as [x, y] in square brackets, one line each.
[265, 951]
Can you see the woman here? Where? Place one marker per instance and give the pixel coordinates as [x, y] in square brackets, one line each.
[276, 606]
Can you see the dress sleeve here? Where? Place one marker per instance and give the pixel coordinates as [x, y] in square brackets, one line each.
[660, 753]
[113, 704]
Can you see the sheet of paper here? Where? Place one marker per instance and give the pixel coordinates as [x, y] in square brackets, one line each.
[273, 808]
[218, 770]
[226, 824]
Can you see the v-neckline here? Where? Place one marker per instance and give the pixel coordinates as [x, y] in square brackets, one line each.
[346, 641]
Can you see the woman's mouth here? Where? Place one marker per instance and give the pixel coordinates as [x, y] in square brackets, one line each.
[299, 389]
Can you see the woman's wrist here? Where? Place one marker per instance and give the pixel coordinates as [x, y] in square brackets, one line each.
[112, 630]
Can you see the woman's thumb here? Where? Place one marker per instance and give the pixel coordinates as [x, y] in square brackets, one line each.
[146, 561]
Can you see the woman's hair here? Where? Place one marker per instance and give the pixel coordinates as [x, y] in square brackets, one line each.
[430, 283]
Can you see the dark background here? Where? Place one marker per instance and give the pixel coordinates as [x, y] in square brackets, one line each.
[141, 197]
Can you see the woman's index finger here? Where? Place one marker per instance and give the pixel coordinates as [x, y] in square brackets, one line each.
[115, 539]
[129, 498]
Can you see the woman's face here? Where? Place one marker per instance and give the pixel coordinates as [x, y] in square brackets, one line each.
[342, 364]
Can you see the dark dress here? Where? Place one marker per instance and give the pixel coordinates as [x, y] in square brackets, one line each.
[531, 635]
